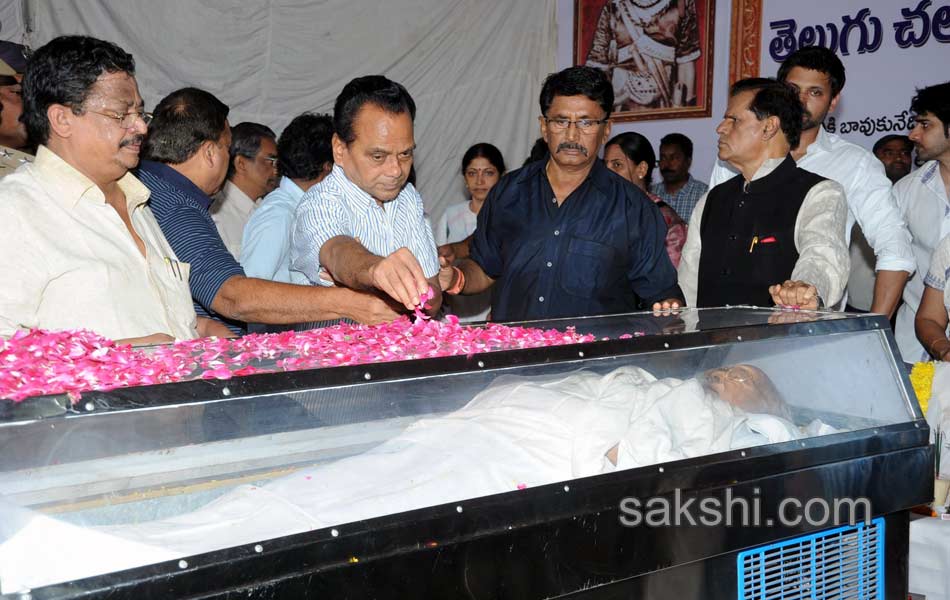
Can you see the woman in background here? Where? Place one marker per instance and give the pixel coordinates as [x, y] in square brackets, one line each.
[482, 167]
[631, 156]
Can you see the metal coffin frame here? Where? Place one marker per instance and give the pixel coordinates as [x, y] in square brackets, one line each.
[550, 541]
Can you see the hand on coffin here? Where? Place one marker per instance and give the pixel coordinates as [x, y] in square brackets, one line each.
[795, 294]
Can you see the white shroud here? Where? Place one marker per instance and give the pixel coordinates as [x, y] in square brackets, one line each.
[519, 432]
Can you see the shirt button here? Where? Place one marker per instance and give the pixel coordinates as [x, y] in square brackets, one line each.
[541, 299]
[725, 272]
[557, 232]
[553, 200]
[550, 264]
[741, 203]
[732, 237]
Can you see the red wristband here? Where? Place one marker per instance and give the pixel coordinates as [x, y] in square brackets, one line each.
[459, 283]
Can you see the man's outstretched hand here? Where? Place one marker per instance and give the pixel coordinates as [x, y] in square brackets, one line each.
[400, 276]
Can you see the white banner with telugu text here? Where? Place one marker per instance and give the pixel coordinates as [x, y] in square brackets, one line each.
[889, 49]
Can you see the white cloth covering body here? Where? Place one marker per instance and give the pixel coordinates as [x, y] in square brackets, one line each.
[520, 432]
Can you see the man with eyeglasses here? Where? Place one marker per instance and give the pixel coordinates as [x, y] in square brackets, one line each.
[567, 237]
[252, 174]
[80, 246]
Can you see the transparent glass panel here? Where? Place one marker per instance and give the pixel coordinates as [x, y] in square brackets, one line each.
[135, 487]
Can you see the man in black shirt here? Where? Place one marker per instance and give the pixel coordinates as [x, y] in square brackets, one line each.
[567, 237]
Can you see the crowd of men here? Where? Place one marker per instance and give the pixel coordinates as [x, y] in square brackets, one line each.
[147, 227]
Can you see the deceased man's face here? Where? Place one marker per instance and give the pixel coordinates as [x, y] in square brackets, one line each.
[746, 387]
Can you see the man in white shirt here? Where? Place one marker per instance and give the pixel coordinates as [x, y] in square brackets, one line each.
[924, 199]
[80, 247]
[252, 174]
[894, 151]
[819, 77]
[305, 157]
[774, 233]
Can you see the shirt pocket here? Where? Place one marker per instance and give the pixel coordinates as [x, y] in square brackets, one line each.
[769, 243]
[176, 292]
[770, 258]
[587, 268]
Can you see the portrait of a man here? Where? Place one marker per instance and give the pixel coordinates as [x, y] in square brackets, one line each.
[657, 54]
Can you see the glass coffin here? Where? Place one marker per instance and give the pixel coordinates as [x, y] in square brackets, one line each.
[207, 472]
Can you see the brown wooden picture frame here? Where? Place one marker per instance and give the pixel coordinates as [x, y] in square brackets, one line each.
[655, 83]
[745, 40]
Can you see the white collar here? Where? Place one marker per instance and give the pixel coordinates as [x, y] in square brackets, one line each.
[767, 167]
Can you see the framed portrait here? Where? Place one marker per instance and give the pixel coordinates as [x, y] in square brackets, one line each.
[658, 54]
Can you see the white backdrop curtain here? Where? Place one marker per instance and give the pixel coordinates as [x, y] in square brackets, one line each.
[474, 67]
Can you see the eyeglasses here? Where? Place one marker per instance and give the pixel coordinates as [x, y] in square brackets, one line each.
[583, 125]
[272, 160]
[127, 120]
[723, 374]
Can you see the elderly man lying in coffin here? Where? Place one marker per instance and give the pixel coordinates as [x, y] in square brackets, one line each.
[519, 432]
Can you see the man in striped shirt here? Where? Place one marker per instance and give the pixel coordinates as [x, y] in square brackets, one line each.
[362, 227]
[187, 148]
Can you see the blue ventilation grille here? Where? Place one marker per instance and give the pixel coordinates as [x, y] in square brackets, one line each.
[847, 562]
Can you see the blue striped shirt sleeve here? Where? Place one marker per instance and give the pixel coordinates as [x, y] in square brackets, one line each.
[196, 241]
[319, 218]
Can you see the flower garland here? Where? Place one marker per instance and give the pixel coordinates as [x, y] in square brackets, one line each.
[921, 377]
[39, 362]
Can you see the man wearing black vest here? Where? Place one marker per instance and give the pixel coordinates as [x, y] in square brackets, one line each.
[775, 233]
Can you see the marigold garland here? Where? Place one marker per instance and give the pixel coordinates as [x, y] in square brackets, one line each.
[922, 377]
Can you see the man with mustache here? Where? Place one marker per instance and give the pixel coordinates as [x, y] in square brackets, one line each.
[80, 246]
[565, 236]
[895, 153]
[678, 188]
[252, 174]
[819, 76]
[362, 227]
[187, 152]
[923, 198]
